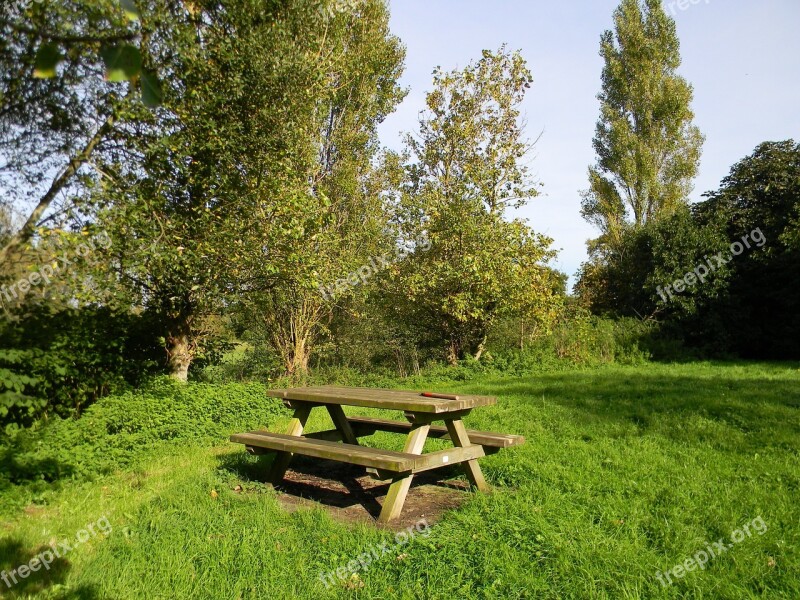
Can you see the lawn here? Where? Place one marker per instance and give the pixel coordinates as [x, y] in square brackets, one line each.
[627, 474]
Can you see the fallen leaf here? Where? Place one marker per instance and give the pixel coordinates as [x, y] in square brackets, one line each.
[354, 583]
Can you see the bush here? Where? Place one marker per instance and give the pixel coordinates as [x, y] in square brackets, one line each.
[117, 430]
[58, 363]
[576, 338]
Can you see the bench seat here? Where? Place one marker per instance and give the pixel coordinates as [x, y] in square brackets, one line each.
[382, 460]
[363, 426]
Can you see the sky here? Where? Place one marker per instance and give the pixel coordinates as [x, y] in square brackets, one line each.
[741, 56]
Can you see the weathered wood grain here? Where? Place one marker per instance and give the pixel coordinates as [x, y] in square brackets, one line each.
[378, 398]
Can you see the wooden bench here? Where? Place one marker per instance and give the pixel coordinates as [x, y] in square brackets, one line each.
[341, 444]
[491, 442]
[382, 460]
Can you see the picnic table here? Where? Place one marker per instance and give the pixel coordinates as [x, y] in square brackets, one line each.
[421, 410]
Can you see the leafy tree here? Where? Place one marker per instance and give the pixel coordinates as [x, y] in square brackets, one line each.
[357, 89]
[467, 170]
[648, 151]
[247, 178]
[739, 252]
[762, 195]
[637, 278]
[63, 98]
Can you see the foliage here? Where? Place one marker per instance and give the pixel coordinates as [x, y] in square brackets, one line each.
[251, 186]
[761, 310]
[745, 304]
[648, 151]
[58, 363]
[631, 278]
[128, 425]
[470, 265]
[357, 89]
[71, 71]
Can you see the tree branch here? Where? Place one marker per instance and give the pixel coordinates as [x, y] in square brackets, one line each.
[28, 229]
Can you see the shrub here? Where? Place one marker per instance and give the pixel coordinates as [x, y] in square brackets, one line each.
[118, 429]
[58, 363]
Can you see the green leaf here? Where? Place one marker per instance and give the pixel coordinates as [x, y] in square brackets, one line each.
[151, 89]
[47, 59]
[131, 11]
[122, 62]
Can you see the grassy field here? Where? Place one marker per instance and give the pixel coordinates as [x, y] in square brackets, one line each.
[626, 474]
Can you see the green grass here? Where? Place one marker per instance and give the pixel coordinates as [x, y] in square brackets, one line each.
[627, 471]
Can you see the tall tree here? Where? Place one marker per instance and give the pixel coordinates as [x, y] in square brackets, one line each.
[468, 169]
[242, 187]
[648, 151]
[760, 198]
[359, 66]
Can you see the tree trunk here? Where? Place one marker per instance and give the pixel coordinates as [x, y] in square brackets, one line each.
[453, 352]
[29, 227]
[180, 350]
[296, 359]
[481, 348]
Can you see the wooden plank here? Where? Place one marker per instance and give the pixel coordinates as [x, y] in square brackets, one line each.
[367, 425]
[389, 460]
[423, 417]
[458, 434]
[398, 490]
[379, 398]
[443, 458]
[282, 460]
[342, 424]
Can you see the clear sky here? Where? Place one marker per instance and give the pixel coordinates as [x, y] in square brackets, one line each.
[741, 56]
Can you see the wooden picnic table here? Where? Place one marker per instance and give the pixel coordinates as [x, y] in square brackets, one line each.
[421, 410]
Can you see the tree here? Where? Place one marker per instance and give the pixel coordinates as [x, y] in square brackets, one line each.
[648, 151]
[467, 170]
[358, 88]
[63, 97]
[737, 254]
[633, 281]
[761, 195]
[243, 184]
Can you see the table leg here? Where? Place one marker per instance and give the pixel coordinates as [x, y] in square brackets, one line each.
[342, 424]
[460, 439]
[282, 459]
[398, 490]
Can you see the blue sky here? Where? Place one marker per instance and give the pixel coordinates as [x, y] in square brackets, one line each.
[741, 56]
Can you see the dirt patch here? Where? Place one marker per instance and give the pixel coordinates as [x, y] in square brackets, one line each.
[350, 495]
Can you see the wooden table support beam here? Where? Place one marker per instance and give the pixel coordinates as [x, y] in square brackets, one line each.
[398, 490]
[458, 434]
[282, 459]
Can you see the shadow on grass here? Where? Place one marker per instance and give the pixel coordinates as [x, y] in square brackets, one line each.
[19, 466]
[14, 554]
[333, 484]
[752, 405]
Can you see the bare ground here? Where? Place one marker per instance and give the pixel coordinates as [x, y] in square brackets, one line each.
[350, 495]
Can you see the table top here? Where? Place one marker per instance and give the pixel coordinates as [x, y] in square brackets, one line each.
[379, 398]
